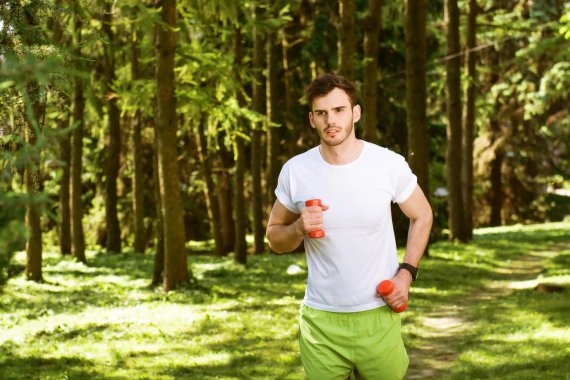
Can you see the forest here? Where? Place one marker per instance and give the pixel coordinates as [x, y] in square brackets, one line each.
[146, 125]
[140, 146]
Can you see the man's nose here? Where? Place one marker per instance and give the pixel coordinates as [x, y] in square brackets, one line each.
[331, 119]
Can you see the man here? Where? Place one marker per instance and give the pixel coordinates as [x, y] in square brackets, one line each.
[345, 326]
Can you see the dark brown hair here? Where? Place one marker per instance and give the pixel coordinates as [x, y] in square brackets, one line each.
[325, 83]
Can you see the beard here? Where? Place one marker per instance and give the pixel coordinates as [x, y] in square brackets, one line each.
[342, 133]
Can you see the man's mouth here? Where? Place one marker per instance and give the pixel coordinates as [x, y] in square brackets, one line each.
[332, 131]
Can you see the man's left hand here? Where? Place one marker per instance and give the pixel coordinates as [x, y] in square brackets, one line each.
[399, 296]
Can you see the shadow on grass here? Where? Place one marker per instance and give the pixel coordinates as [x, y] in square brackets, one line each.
[47, 368]
[251, 353]
[525, 361]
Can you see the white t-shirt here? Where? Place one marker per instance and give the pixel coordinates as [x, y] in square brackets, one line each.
[359, 247]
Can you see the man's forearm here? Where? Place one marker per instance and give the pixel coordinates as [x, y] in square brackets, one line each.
[285, 238]
[418, 236]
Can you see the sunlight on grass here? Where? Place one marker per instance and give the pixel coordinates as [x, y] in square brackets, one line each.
[102, 320]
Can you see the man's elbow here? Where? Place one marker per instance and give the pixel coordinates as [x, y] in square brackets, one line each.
[424, 217]
[276, 248]
[428, 217]
[272, 244]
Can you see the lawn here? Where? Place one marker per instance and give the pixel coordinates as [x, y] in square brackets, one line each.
[473, 314]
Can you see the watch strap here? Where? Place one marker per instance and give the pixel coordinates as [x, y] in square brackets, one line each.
[410, 268]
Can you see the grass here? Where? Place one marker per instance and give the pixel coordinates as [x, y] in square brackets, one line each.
[473, 314]
[503, 328]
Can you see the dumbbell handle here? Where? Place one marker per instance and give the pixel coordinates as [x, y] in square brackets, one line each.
[315, 234]
[385, 288]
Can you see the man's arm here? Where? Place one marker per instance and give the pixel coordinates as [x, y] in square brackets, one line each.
[285, 229]
[417, 208]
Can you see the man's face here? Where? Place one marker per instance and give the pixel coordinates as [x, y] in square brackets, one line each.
[333, 117]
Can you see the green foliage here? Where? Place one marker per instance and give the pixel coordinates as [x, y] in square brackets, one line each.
[39, 42]
[206, 87]
[565, 22]
[27, 58]
[527, 102]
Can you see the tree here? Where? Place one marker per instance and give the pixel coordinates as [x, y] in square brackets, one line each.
[209, 187]
[225, 194]
[370, 80]
[273, 106]
[346, 37]
[158, 270]
[113, 146]
[454, 153]
[469, 119]
[77, 233]
[175, 261]
[136, 122]
[416, 92]
[256, 133]
[32, 180]
[239, 176]
[64, 190]
[64, 150]
[33, 113]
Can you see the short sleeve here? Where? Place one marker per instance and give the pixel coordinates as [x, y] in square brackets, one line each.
[404, 182]
[283, 190]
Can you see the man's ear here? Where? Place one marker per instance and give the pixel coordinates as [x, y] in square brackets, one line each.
[356, 113]
[312, 119]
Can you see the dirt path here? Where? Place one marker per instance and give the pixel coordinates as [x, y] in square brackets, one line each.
[442, 329]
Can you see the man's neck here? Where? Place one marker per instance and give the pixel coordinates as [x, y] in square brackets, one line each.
[342, 154]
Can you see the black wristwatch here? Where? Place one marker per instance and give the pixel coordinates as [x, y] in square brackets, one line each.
[410, 268]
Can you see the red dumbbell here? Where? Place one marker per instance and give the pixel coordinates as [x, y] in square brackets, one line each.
[315, 234]
[385, 288]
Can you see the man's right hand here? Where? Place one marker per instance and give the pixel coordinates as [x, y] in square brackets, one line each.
[312, 218]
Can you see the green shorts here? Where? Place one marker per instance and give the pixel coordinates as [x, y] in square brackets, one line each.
[367, 344]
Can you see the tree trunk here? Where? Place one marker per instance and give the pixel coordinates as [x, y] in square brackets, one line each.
[175, 258]
[138, 176]
[78, 237]
[33, 112]
[293, 40]
[210, 187]
[32, 182]
[469, 119]
[113, 143]
[273, 116]
[496, 176]
[416, 92]
[256, 151]
[239, 188]
[64, 188]
[346, 38]
[64, 152]
[138, 185]
[241, 215]
[225, 200]
[454, 140]
[158, 272]
[497, 192]
[370, 82]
